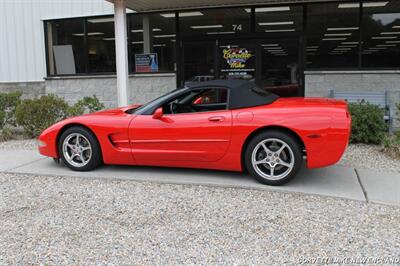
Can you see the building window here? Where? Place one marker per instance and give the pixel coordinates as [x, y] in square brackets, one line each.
[101, 45]
[279, 70]
[65, 47]
[213, 22]
[279, 19]
[333, 35]
[199, 61]
[381, 31]
[81, 46]
[152, 42]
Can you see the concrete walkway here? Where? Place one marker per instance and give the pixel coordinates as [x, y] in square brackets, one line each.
[335, 181]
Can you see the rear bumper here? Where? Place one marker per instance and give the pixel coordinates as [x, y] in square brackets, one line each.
[330, 151]
[332, 146]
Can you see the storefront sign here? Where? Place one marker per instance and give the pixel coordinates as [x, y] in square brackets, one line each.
[238, 62]
[146, 63]
[236, 57]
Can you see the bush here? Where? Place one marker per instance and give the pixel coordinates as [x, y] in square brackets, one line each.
[391, 145]
[86, 105]
[2, 119]
[8, 105]
[368, 125]
[35, 115]
[6, 134]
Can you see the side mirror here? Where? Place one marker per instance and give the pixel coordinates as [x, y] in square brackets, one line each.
[158, 113]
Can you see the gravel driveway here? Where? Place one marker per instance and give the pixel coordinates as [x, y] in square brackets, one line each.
[369, 156]
[56, 220]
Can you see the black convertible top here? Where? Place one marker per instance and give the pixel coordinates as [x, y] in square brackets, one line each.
[242, 93]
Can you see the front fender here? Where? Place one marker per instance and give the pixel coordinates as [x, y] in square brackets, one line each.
[48, 139]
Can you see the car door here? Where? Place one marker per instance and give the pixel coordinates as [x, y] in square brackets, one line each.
[200, 135]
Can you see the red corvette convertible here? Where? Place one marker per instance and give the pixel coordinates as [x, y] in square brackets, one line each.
[220, 124]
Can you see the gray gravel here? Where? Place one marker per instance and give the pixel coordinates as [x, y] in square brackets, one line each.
[56, 220]
[28, 144]
[369, 156]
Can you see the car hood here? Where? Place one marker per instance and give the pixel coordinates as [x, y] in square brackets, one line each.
[116, 111]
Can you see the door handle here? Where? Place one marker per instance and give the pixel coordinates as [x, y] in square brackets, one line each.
[216, 119]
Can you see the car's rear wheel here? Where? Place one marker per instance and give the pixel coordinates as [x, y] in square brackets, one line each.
[79, 149]
[273, 157]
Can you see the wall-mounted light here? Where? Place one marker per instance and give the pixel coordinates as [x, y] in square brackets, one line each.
[281, 30]
[334, 39]
[141, 30]
[357, 5]
[276, 23]
[89, 34]
[220, 32]
[269, 44]
[182, 14]
[206, 27]
[390, 33]
[269, 9]
[337, 34]
[164, 36]
[345, 28]
[100, 20]
[384, 37]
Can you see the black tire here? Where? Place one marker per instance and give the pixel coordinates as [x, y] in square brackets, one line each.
[291, 170]
[95, 158]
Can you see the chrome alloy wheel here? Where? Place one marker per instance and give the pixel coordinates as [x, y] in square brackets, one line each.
[77, 150]
[272, 159]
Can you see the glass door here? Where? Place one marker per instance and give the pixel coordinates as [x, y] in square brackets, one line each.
[280, 67]
[198, 61]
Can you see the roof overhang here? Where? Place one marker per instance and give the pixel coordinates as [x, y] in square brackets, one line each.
[170, 5]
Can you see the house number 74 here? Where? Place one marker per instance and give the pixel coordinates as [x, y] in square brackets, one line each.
[237, 27]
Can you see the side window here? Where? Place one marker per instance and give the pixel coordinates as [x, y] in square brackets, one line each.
[202, 100]
[212, 96]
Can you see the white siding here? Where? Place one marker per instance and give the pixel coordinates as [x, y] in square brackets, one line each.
[22, 50]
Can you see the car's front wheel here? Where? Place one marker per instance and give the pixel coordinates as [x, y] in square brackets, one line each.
[79, 149]
[273, 157]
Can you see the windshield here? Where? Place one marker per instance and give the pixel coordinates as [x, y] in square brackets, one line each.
[153, 103]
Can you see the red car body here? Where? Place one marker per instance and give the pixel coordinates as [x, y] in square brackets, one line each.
[214, 139]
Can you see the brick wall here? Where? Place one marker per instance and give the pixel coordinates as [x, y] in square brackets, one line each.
[29, 89]
[142, 88]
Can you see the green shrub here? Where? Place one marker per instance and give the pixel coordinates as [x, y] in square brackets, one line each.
[368, 125]
[398, 111]
[35, 115]
[86, 105]
[2, 119]
[8, 104]
[6, 134]
[391, 145]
